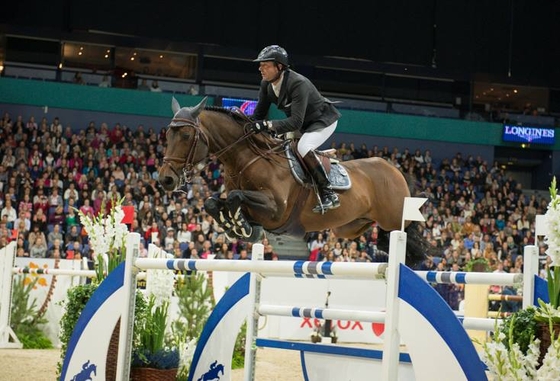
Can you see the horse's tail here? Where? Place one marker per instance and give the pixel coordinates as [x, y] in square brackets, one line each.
[417, 247]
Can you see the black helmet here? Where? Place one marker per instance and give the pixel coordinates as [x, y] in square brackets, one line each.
[273, 53]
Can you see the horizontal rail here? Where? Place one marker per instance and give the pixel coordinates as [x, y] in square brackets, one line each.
[43, 271]
[460, 277]
[507, 298]
[477, 324]
[299, 269]
[322, 313]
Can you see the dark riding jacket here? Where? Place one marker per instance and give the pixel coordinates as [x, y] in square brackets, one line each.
[306, 109]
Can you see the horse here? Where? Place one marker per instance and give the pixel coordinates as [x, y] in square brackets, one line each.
[262, 190]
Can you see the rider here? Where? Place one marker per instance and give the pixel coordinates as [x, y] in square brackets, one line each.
[306, 109]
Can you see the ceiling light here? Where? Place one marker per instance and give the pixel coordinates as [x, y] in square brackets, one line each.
[161, 56]
[106, 56]
[491, 89]
[81, 48]
[132, 58]
[79, 53]
[515, 91]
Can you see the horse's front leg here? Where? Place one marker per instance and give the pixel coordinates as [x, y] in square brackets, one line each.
[217, 208]
[257, 202]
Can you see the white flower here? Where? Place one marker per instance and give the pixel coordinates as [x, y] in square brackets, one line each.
[186, 353]
[160, 283]
[552, 218]
[107, 233]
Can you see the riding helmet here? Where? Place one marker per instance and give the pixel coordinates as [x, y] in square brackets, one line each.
[273, 53]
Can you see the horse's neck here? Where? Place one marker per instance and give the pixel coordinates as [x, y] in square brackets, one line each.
[224, 139]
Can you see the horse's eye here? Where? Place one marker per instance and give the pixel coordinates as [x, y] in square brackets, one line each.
[186, 135]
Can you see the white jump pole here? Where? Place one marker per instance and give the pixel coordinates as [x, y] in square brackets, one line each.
[301, 269]
[530, 268]
[391, 339]
[459, 277]
[7, 259]
[257, 255]
[128, 308]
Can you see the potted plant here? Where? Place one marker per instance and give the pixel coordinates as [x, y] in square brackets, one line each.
[152, 352]
[527, 346]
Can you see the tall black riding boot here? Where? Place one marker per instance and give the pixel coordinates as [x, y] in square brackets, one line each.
[329, 199]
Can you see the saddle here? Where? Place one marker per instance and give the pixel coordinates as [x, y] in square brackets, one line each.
[338, 176]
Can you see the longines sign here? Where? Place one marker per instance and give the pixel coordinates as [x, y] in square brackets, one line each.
[528, 134]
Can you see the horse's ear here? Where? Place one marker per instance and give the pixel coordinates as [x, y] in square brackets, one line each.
[175, 105]
[199, 107]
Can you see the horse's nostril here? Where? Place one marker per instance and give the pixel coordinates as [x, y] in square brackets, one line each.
[167, 180]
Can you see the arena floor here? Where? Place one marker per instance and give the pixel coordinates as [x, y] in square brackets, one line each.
[40, 365]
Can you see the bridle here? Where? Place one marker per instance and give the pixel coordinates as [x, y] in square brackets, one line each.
[189, 163]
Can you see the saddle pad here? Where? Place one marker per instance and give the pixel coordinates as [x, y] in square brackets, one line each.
[338, 176]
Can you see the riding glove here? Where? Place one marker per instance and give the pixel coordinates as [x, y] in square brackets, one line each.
[261, 125]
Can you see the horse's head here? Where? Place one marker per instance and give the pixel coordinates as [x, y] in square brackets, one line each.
[186, 145]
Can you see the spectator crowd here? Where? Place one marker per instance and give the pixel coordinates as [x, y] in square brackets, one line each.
[49, 172]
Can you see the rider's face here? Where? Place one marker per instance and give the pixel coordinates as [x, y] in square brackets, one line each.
[268, 70]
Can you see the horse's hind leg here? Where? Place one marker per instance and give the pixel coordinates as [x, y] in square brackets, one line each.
[353, 229]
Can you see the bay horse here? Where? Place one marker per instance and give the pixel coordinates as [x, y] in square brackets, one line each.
[262, 192]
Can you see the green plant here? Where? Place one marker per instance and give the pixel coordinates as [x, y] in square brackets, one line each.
[238, 359]
[521, 328]
[195, 302]
[25, 319]
[151, 335]
[478, 265]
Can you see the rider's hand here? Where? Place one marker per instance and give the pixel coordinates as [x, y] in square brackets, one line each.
[261, 125]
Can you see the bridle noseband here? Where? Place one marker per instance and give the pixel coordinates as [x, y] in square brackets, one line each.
[187, 163]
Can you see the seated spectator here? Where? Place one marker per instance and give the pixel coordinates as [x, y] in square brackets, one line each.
[169, 240]
[58, 217]
[73, 235]
[38, 249]
[35, 233]
[10, 213]
[54, 235]
[56, 250]
[73, 250]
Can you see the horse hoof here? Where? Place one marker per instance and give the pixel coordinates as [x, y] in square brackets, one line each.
[231, 235]
[256, 235]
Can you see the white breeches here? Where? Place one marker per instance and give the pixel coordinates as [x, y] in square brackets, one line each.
[311, 140]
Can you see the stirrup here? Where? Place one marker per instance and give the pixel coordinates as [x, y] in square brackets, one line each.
[322, 207]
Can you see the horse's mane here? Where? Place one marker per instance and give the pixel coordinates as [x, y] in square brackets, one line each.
[237, 116]
[264, 145]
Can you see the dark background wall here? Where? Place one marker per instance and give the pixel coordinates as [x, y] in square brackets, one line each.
[497, 37]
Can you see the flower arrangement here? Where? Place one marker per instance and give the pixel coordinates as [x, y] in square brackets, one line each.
[107, 235]
[151, 347]
[517, 352]
[552, 240]
[154, 346]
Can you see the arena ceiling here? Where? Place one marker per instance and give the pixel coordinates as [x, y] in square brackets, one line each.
[511, 41]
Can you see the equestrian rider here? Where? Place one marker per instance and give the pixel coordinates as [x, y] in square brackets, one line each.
[307, 111]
